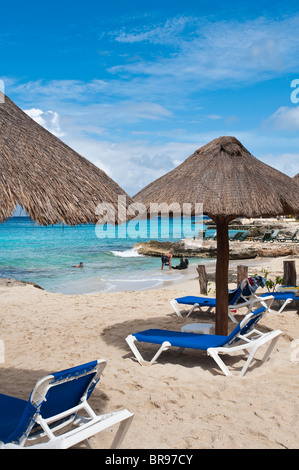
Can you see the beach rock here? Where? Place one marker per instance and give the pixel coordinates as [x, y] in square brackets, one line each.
[6, 282]
[156, 248]
[238, 250]
[208, 249]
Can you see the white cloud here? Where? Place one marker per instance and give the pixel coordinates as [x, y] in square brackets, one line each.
[221, 53]
[207, 55]
[97, 117]
[76, 90]
[135, 164]
[166, 33]
[214, 117]
[96, 121]
[227, 119]
[285, 118]
[132, 164]
[48, 119]
[287, 163]
[103, 166]
[125, 111]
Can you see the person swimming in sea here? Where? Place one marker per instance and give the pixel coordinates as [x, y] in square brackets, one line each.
[80, 265]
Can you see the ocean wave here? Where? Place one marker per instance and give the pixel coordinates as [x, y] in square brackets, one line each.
[147, 282]
[132, 253]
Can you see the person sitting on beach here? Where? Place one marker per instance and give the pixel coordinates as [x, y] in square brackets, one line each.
[183, 264]
[166, 260]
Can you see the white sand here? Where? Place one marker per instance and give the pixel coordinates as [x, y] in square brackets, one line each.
[182, 402]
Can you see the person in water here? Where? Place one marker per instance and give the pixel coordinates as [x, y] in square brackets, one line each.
[80, 265]
[184, 263]
[166, 260]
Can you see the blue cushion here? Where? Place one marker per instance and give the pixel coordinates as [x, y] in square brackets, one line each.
[15, 417]
[67, 395]
[281, 295]
[16, 414]
[233, 297]
[191, 300]
[194, 340]
[180, 339]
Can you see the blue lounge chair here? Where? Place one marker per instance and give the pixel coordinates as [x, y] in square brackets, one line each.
[288, 289]
[235, 236]
[212, 234]
[283, 297]
[239, 236]
[274, 235]
[264, 238]
[292, 238]
[243, 236]
[240, 297]
[54, 403]
[243, 338]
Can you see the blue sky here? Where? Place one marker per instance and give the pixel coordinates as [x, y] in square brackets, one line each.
[137, 87]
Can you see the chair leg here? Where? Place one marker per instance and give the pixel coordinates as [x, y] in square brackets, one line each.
[271, 345]
[214, 354]
[121, 433]
[88, 443]
[131, 342]
[191, 309]
[231, 316]
[174, 305]
[286, 302]
[249, 359]
[273, 337]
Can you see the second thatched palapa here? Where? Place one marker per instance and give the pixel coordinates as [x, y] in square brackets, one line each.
[52, 182]
[229, 182]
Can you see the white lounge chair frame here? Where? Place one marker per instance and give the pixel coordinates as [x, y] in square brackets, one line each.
[86, 426]
[251, 341]
[247, 302]
[251, 344]
[283, 304]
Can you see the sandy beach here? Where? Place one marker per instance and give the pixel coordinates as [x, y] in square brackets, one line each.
[182, 402]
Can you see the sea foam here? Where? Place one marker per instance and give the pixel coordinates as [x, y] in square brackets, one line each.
[132, 253]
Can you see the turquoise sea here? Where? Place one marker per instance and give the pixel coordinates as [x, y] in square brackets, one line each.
[46, 255]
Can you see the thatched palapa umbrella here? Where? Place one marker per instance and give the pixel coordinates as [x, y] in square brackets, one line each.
[296, 179]
[230, 182]
[52, 182]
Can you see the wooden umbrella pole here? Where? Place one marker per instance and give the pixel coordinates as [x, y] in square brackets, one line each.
[222, 264]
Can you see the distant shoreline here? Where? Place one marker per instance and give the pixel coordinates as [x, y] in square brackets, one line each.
[208, 249]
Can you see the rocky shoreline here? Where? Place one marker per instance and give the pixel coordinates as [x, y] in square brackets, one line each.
[198, 248]
[208, 249]
[7, 282]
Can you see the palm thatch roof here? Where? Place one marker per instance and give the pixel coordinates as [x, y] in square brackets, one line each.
[228, 180]
[52, 182]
